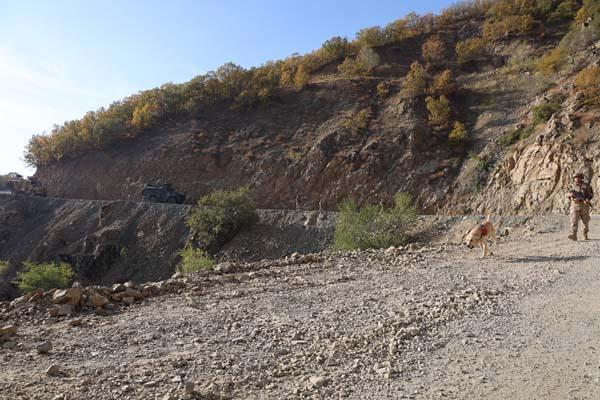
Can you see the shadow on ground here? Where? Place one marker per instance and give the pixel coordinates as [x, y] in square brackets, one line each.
[535, 259]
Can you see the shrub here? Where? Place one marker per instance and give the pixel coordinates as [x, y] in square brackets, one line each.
[382, 90]
[362, 64]
[443, 84]
[543, 112]
[44, 276]
[588, 82]
[566, 10]
[470, 49]
[515, 135]
[552, 61]
[433, 51]
[512, 25]
[415, 81]
[373, 226]
[4, 267]
[193, 260]
[370, 37]
[439, 111]
[358, 123]
[336, 47]
[458, 135]
[219, 216]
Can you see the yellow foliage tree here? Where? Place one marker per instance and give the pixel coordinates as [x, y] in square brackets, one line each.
[415, 82]
[439, 111]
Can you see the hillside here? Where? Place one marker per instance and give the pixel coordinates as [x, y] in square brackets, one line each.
[363, 119]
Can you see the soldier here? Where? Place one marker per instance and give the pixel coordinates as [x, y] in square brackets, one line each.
[580, 194]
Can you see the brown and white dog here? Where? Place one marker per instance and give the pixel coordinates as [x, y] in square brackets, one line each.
[480, 235]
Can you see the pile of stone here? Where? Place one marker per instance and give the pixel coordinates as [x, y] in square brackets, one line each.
[65, 302]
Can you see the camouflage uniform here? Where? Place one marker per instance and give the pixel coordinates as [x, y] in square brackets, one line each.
[580, 194]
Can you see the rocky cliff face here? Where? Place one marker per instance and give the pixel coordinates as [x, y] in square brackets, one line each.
[533, 176]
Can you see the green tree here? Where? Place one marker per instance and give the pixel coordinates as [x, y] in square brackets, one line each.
[218, 217]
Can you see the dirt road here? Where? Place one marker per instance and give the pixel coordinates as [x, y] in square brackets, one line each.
[424, 323]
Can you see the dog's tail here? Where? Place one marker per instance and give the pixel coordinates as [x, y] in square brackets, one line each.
[489, 215]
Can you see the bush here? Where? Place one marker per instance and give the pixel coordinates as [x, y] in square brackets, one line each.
[512, 25]
[362, 64]
[443, 84]
[370, 37]
[44, 276]
[415, 81]
[458, 135]
[219, 216]
[434, 51]
[515, 135]
[359, 122]
[439, 111]
[470, 50]
[373, 226]
[588, 82]
[193, 260]
[336, 47]
[552, 62]
[543, 112]
[4, 267]
[382, 90]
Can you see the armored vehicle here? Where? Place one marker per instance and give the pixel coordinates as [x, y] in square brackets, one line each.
[30, 186]
[162, 193]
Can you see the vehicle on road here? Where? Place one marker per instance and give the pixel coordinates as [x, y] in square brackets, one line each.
[17, 184]
[163, 193]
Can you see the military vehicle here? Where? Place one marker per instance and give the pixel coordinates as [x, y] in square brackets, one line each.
[163, 193]
[29, 186]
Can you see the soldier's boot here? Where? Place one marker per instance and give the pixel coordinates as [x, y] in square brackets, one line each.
[585, 235]
[573, 237]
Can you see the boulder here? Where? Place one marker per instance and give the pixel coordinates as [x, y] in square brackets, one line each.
[8, 330]
[64, 309]
[71, 296]
[97, 300]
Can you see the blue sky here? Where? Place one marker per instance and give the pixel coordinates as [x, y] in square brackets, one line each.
[59, 59]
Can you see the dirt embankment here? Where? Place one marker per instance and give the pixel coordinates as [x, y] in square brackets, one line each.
[115, 241]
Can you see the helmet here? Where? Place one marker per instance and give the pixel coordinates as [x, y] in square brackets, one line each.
[579, 175]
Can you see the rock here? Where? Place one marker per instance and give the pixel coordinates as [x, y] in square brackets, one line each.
[44, 347]
[177, 275]
[223, 267]
[128, 300]
[59, 397]
[9, 345]
[97, 300]
[189, 387]
[64, 310]
[129, 292]
[53, 370]
[130, 285]
[76, 322]
[150, 291]
[119, 287]
[319, 381]
[71, 296]
[8, 330]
